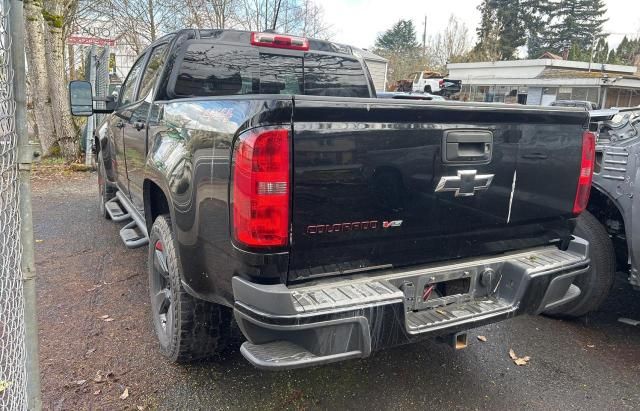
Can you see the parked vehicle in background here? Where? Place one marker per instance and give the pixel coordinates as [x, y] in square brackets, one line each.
[272, 187]
[433, 82]
[612, 222]
[411, 96]
[588, 105]
[402, 86]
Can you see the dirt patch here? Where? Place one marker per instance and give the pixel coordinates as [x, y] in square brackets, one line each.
[84, 274]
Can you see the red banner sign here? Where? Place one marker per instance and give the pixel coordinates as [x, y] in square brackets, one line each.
[84, 40]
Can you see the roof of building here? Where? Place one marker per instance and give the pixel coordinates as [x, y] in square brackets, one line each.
[567, 64]
[367, 55]
[550, 55]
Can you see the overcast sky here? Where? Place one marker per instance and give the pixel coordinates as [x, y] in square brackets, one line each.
[358, 22]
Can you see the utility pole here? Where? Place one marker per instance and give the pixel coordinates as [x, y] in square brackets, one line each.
[424, 38]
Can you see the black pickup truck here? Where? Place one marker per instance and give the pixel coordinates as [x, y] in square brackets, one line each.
[280, 197]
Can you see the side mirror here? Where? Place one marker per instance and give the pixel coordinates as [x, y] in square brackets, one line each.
[111, 102]
[81, 98]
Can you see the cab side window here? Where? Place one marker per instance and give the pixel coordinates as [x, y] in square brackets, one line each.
[152, 71]
[129, 87]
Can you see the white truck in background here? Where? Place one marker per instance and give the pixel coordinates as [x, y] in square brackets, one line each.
[433, 82]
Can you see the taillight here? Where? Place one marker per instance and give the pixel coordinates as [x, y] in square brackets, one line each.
[441, 83]
[261, 188]
[279, 41]
[586, 172]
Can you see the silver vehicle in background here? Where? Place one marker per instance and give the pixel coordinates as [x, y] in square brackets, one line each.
[612, 223]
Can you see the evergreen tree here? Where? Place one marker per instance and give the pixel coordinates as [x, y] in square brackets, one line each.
[627, 52]
[577, 25]
[601, 52]
[535, 15]
[400, 47]
[501, 30]
[401, 38]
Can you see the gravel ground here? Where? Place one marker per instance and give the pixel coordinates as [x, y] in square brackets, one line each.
[97, 342]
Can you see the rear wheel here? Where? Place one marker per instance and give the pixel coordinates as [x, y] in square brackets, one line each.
[105, 191]
[596, 283]
[187, 328]
[427, 89]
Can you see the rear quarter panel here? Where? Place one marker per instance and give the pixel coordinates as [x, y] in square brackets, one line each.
[190, 143]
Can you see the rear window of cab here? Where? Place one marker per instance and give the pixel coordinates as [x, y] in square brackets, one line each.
[210, 69]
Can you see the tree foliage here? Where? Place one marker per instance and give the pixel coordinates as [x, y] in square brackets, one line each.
[540, 25]
[399, 39]
[400, 46]
[575, 24]
[501, 31]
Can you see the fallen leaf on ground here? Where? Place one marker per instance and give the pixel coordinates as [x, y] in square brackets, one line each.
[591, 346]
[482, 338]
[80, 382]
[140, 407]
[108, 319]
[4, 385]
[39, 241]
[96, 392]
[125, 394]
[90, 351]
[104, 317]
[99, 378]
[518, 360]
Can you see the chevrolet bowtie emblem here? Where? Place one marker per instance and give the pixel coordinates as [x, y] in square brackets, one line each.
[465, 184]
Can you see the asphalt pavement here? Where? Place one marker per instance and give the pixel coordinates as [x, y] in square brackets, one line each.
[87, 360]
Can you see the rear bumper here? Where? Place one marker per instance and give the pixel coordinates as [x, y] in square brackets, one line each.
[332, 320]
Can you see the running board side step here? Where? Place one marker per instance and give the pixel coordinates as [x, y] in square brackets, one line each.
[132, 237]
[115, 211]
[287, 355]
[134, 234]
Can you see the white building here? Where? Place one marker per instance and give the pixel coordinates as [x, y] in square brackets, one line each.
[543, 81]
[377, 66]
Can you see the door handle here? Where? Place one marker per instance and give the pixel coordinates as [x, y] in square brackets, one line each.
[139, 125]
[120, 124]
[467, 146]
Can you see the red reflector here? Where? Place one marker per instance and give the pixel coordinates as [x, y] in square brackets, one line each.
[586, 172]
[279, 41]
[261, 187]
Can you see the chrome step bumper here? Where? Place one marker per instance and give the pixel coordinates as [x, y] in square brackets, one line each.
[332, 320]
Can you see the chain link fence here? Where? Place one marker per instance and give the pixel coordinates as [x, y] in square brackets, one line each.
[13, 378]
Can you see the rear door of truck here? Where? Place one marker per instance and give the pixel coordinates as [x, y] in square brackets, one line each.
[379, 184]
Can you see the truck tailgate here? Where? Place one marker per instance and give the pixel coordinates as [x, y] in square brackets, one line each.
[395, 183]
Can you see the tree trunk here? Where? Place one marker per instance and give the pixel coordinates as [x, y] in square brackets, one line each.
[53, 14]
[39, 82]
[152, 24]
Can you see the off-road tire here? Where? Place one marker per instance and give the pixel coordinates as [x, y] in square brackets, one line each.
[427, 89]
[596, 283]
[200, 329]
[105, 191]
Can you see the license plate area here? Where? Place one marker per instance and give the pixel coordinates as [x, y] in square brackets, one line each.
[437, 290]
